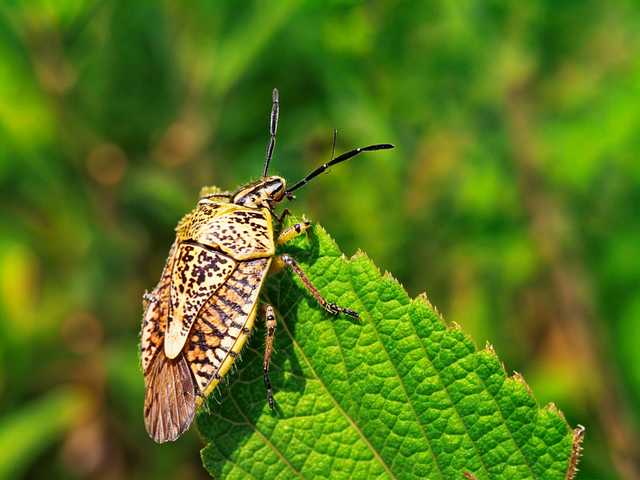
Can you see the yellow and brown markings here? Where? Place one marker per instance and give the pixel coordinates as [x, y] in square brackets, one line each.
[183, 225]
[170, 402]
[198, 273]
[154, 322]
[220, 329]
[241, 232]
[198, 218]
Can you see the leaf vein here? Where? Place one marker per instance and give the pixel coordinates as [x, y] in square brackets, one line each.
[424, 434]
[344, 363]
[444, 387]
[507, 427]
[236, 465]
[265, 439]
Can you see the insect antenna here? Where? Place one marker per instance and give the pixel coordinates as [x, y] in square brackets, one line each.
[275, 112]
[335, 137]
[340, 158]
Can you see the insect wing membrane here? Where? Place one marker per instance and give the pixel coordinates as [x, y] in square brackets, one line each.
[198, 273]
[170, 401]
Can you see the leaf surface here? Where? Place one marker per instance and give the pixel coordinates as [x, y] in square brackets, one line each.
[397, 395]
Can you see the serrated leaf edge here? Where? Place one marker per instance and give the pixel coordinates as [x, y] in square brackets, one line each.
[517, 377]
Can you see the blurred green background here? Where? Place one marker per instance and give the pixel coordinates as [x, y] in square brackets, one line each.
[512, 198]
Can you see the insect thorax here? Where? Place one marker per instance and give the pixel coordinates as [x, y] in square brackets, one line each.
[243, 232]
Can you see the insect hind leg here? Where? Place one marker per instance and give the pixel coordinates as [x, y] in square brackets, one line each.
[284, 260]
[269, 316]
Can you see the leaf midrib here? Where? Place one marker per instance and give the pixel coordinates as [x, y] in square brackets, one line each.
[353, 424]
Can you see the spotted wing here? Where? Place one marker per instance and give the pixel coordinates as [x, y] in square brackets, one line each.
[221, 326]
[170, 402]
[241, 232]
[198, 272]
[154, 320]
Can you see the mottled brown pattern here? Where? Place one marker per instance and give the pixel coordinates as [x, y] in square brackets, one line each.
[219, 327]
[198, 273]
[204, 213]
[170, 402]
[200, 314]
[154, 321]
[241, 232]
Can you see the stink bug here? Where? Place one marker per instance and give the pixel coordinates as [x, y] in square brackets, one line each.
[201, 313]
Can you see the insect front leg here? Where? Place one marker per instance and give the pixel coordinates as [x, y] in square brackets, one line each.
[266, 312]
[282, 216]
[285, 260]
[291, 232]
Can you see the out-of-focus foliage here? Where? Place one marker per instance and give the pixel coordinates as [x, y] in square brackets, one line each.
[512, 198]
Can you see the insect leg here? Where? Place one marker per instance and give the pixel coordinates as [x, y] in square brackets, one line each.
[285, 260]
[269, 316]
[293, 231]
[285, 212]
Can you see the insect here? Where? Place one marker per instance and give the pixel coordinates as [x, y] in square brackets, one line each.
[201, 313]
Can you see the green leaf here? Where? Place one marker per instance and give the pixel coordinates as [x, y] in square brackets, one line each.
[397, 395]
